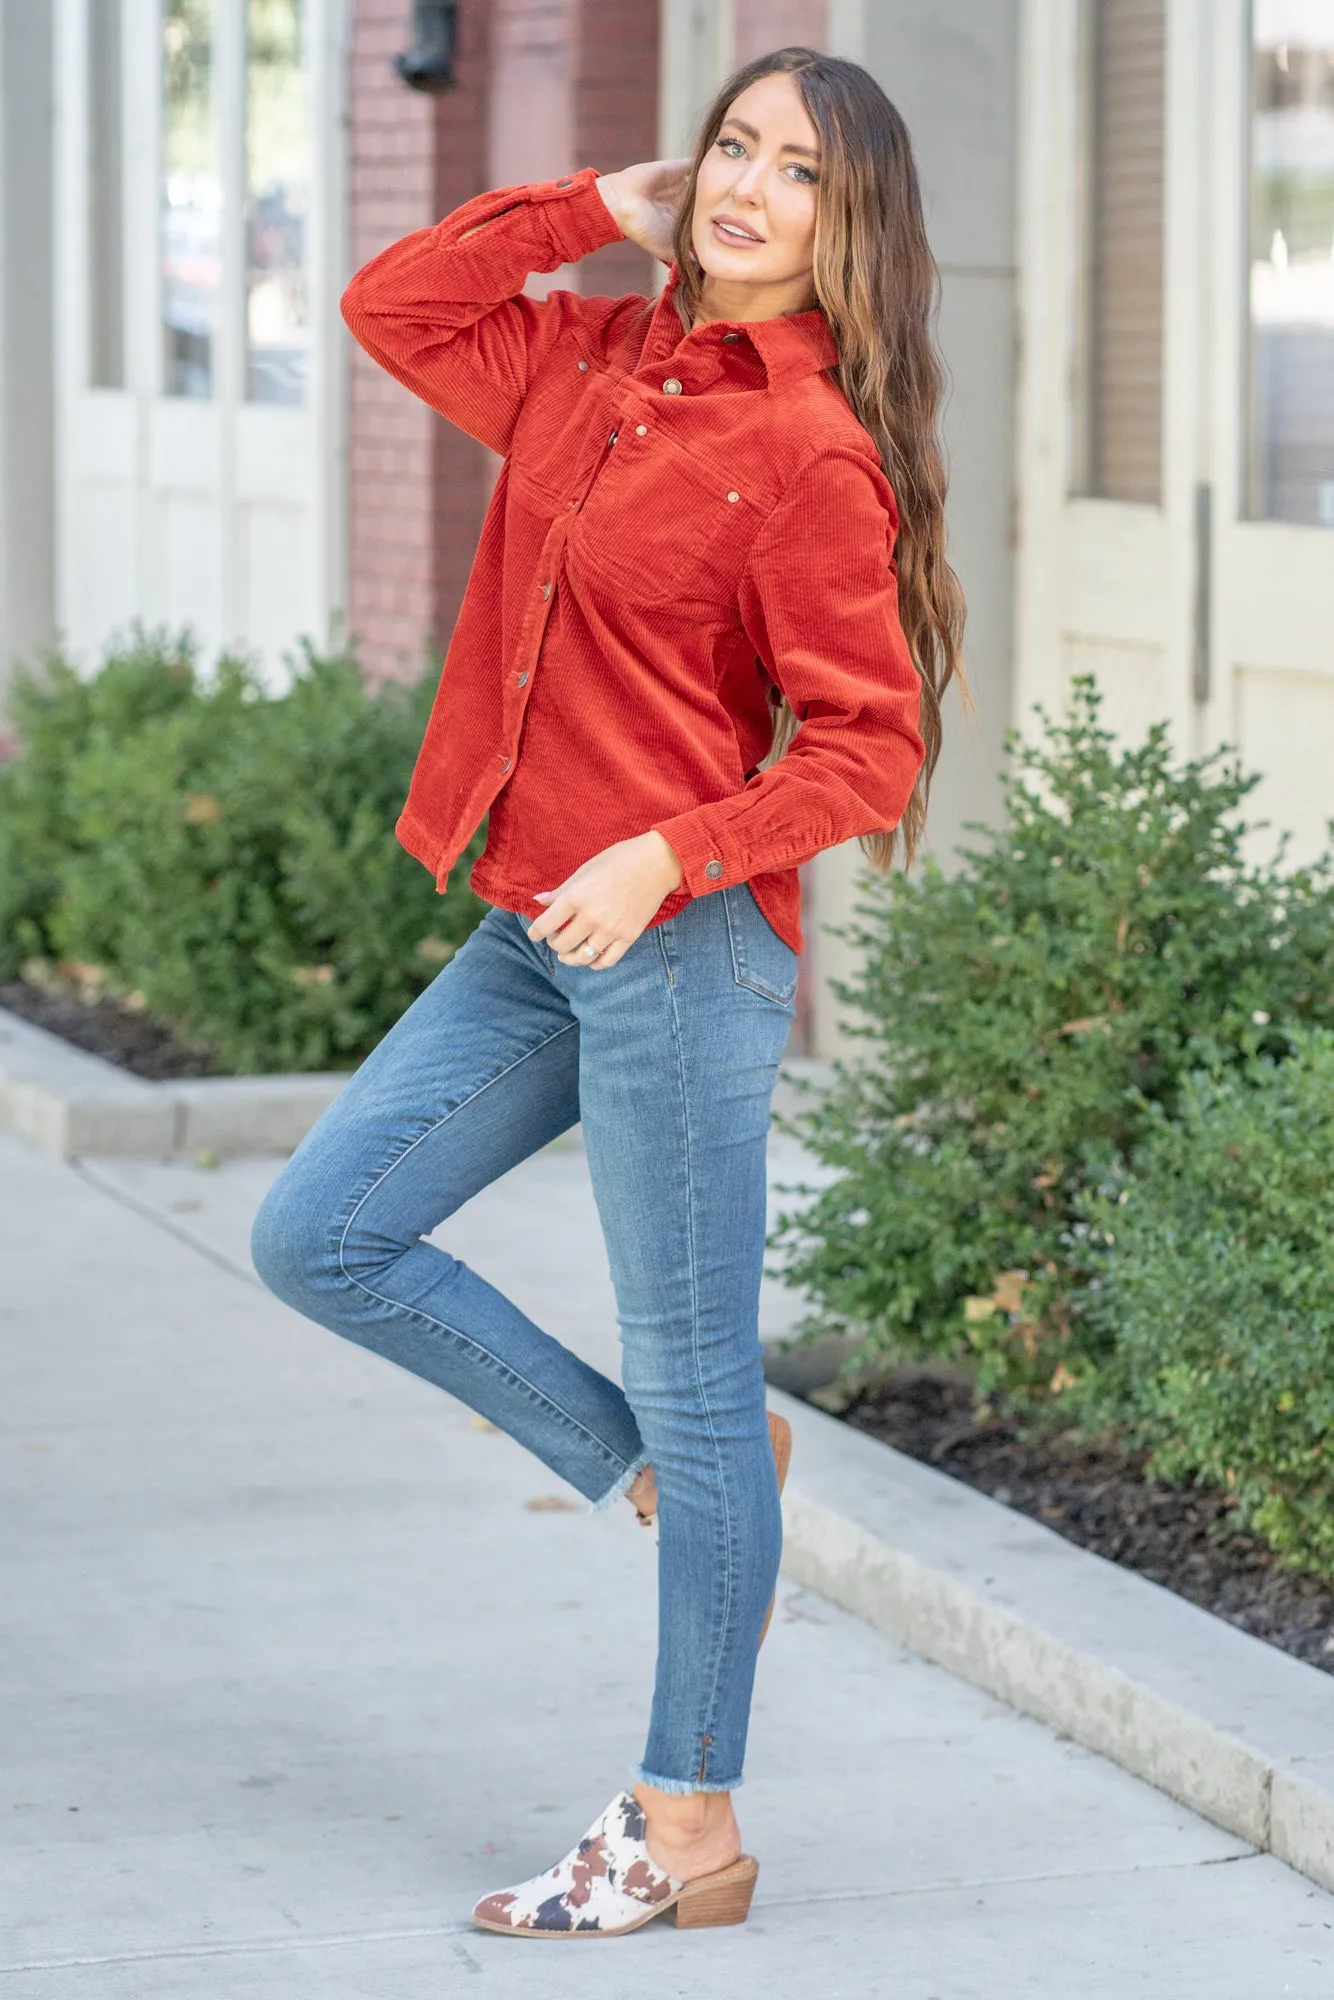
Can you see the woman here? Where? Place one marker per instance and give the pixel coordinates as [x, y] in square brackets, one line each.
[699, 644]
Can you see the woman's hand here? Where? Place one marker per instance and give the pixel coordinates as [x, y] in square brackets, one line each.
[608, 901]
[644, 201]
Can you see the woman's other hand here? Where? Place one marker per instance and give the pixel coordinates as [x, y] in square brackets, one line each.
[608, 901]
[644, 201]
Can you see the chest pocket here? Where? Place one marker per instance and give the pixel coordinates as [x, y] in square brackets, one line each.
[660, 528]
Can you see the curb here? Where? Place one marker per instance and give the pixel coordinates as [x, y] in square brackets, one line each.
[70, 1103]
[1238, 1731]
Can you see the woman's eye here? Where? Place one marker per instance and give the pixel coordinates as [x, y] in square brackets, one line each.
[812, 178]
[725, 144]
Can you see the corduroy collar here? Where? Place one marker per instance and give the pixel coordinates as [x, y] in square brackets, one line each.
[790, 347]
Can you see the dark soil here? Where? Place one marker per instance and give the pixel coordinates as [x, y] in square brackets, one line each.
[104, 1028]
[1098, 1496]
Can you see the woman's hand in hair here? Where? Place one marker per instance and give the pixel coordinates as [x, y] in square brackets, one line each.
[607, 902]
[644, 201]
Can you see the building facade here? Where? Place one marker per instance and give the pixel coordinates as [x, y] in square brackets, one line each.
[1131, 201]
[1175, 470]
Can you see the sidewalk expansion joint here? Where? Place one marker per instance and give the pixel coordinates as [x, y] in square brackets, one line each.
[147, 1213]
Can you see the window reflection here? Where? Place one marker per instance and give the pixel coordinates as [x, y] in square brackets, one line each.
[1291, 459]
[191, 199]
[277, 193]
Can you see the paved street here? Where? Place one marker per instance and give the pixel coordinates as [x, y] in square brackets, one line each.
[294, 1670]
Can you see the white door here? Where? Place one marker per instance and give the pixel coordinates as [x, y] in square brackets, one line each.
[199, 206]
[1177, 454]
[1105, 498]
[1267, 673]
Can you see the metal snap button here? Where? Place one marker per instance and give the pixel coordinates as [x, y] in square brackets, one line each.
[713, 869]
[671, 387]
[731, 336]
[505, 763]
[583, 368]
[641, 430]
[612, 439]
[546, 590]
[523, 679]
[734, 496]
[565, 184]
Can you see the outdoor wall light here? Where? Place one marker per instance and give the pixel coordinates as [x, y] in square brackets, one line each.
[429, 63]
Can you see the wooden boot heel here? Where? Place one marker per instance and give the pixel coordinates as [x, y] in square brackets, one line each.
[721, 1898]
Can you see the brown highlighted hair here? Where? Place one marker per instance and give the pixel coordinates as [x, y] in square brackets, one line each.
[878, 285]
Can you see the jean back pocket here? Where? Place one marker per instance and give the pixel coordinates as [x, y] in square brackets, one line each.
[761, 960]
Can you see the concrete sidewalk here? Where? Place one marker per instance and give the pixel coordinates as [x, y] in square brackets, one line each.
[294, 1672]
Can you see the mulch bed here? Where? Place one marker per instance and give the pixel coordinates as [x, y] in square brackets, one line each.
[132, 1041]
[1097, 1495]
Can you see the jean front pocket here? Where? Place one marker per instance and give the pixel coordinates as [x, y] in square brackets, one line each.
[760, 958]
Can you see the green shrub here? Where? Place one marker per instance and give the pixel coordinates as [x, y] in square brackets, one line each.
[1025, 1015]
[226, 854]
[1218, 1294]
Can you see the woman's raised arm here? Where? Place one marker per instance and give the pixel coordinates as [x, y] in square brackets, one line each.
[443, 310]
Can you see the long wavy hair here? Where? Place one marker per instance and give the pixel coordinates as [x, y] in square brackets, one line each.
[877, 283]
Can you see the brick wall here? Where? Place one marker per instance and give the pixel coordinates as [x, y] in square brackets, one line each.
[615, 120]
[761, 25]
[541, 86]
[461, 469]
[391, 191]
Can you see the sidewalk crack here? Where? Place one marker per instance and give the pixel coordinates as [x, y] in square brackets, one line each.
[148, 1213]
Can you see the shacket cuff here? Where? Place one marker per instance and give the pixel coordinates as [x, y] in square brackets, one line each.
[707, 862]
[578, 218]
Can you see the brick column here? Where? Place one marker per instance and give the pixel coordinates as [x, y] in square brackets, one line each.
[391, 191]
[416, 487]
[762, 25]
[615, 120]
[462, 470]
[542, 86]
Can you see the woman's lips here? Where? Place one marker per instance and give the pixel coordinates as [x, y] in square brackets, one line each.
[735, 238]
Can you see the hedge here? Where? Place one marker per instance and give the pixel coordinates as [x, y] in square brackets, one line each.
[221, 855]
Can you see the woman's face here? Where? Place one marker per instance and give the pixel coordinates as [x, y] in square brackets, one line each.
[756, 195]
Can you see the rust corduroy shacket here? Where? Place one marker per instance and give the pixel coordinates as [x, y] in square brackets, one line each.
[681, 523]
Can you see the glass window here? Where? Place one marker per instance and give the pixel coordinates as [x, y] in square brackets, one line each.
[277, 198]
[191, 199]
[1290, 471]
[1119, 260]
[106, 274]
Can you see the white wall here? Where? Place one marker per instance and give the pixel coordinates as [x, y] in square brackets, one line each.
[26, 438]
[950, 68]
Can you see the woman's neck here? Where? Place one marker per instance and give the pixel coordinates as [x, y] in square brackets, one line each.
[720, 300]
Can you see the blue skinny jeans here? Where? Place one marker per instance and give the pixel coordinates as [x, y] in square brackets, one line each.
[669, 1057]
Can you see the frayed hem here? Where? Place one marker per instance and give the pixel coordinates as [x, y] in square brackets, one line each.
[622, 1486]
[679, 1787]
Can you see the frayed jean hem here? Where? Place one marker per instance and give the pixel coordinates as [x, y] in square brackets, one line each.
[680, 1787]
[623, 1485]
